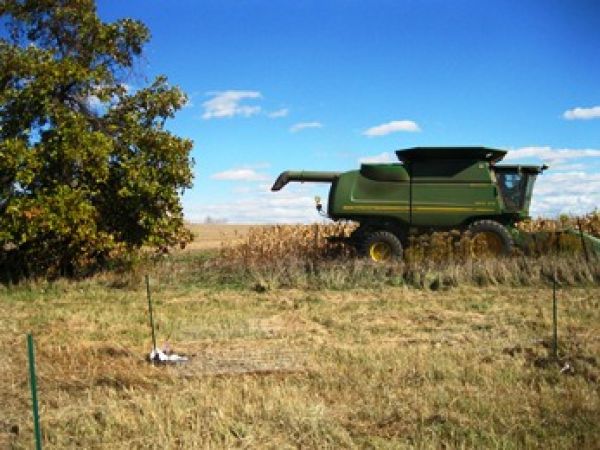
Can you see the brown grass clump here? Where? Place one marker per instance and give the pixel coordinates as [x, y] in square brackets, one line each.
[301, 256]
[560, 235]
[289, 243]
[589, 223]
[444, 247]
[284, 242]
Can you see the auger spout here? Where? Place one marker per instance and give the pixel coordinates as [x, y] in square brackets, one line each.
[302, 176]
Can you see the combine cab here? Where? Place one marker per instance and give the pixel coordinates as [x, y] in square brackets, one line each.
[429, 189]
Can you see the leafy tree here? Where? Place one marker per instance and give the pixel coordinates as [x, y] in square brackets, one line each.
[87, 168]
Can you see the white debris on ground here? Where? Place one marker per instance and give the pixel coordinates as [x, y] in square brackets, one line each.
[165, 356]
[567, 368]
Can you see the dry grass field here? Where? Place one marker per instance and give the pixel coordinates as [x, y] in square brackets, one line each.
[213, 236]
[386, 368]
[308, 353]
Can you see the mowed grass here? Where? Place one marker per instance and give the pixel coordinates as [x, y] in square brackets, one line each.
[384, 367]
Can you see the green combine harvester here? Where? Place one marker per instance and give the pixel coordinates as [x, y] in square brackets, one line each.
[430, 189]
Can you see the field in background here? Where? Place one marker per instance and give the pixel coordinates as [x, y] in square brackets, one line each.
[306, 238]
[294, 345]
[212, 236]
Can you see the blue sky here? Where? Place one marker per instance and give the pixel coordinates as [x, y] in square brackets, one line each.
[322, 85]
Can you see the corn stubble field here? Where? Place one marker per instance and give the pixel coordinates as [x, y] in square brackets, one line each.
[294, 343]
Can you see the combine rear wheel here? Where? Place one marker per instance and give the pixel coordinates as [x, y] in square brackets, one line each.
[491, 238]
[381, 246]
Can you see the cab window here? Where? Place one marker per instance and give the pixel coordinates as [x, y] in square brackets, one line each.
[512, 188]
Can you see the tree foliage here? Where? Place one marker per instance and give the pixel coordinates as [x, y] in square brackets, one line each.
[87, 168]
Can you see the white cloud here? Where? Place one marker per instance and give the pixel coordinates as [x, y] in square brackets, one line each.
[304, 125]
[565, 193]
[228, 104]
[283, 112]
[552, 156]
[392, 127]
[243, 174]
[265, 187]
[576, 182]
[566, 188]
[294, 204]
[568, 167]
[582, 113]
[384, 157]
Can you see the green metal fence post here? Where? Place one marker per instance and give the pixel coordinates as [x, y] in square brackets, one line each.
[34, 401]
[150, 311]
[554, 320]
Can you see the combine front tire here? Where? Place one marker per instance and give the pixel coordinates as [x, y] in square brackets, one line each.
[381, 246]
[491, 238]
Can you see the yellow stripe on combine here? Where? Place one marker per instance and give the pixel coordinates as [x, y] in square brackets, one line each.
[374, 208]
[450, 209]
[439, 209]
